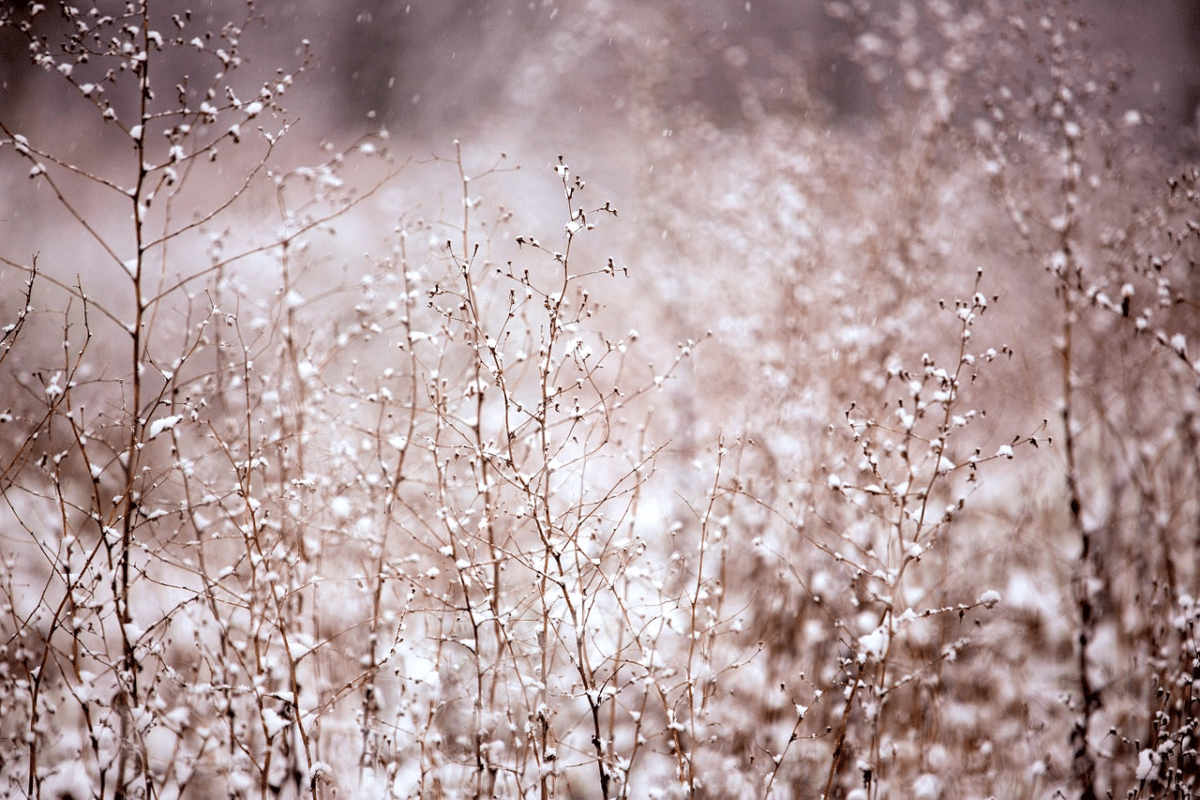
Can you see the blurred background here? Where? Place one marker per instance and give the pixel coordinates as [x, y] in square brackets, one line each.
[546, 74]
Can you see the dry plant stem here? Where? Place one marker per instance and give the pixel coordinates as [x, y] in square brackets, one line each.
[119, 520]
[919, 533]
[66, 606]
[1084, 767]
[700, 632]
[1066, 268]
[1068, 272]
[485, 772]
[11, 333]
[839, 739]
[65, 202]
[130, 695]
[581, 661]
[911, 511]
[265, 593]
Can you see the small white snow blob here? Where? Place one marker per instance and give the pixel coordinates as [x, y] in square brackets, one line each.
[989, 599]
[1147, 764]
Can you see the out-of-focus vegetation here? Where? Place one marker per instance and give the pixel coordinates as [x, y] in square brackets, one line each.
[824, 422]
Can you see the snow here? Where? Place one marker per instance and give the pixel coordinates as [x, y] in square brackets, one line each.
[162, 424]
[989, 599]
[1147, 764]
[874, 644]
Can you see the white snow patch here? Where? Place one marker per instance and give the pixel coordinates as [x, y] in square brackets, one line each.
[163, 424]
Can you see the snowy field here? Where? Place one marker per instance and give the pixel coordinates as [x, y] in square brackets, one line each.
[599, 399]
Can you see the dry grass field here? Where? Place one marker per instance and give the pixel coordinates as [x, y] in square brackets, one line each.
[805, 412]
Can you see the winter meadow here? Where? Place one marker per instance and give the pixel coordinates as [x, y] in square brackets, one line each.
[599, 399]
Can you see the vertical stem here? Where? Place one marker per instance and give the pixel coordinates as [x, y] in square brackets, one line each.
[1069, 273]
[1084, 764]
[129, 691]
